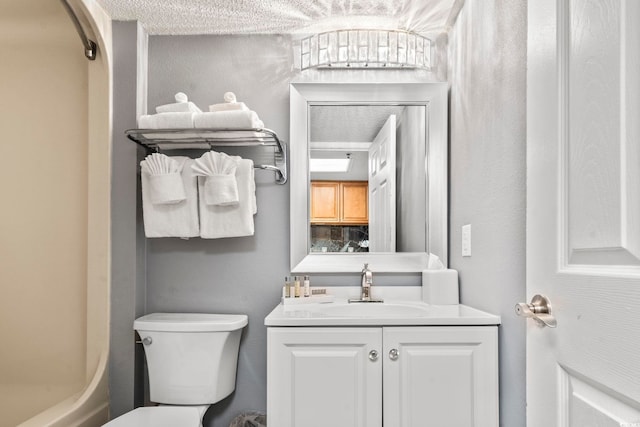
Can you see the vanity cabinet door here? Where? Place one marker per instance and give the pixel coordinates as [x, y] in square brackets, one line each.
[440, 376]
[320, 377]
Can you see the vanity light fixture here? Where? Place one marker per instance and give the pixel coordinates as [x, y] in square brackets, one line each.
[365, 49]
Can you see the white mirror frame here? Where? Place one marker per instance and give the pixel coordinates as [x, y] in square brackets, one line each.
[434, 97]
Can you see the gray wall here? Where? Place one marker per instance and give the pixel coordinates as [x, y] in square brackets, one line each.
[487, 74]
[244, 275]
[127, 239]
[237, 275]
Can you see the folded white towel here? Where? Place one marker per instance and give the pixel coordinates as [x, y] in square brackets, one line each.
[236, 136]
[165, 179]
[182, 105]
[228, 120]
[230, 221]
[221, 190]
[178, 107]
[166, 121]
[172, 220]
[228, 106]
[220, 185]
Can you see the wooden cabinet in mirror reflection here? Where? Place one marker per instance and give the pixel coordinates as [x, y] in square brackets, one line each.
[339, 202]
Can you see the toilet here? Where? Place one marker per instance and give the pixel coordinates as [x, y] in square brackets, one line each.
[192, 361]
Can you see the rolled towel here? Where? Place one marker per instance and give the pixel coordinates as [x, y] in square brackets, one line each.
[230, 104]
[228, 120]
[167, 121]
[220, 186]
[164, 178]
[182, 105]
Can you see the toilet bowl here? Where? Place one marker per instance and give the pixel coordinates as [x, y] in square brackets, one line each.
[192, 361]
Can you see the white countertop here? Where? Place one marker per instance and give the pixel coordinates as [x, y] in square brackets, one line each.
[402, 306]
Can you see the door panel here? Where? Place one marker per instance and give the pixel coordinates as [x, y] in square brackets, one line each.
[601, 163]
[382, 189]
[583, 211]
[586, 405]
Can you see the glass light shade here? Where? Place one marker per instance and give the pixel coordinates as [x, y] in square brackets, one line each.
[366, 49]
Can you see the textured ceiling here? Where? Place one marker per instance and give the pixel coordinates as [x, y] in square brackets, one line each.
[428, 17]
[335, 123]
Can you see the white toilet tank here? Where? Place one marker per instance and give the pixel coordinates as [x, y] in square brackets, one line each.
[192, 358]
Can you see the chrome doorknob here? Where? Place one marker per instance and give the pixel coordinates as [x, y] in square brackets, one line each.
[373, 355]
[539, 309]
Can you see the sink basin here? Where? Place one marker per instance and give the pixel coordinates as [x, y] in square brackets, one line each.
[402, 306]
[374, 310]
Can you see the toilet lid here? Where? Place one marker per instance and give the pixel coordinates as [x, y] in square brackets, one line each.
[190, 322]
[158, 416]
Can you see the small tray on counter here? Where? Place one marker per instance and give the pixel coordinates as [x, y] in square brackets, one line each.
[313, 299]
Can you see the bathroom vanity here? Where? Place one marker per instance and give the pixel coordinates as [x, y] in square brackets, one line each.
[400, 363]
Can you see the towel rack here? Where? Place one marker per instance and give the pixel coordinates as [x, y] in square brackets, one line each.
[206, 139]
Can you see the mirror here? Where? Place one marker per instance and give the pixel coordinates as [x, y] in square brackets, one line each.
[405, 215]
[383, 185]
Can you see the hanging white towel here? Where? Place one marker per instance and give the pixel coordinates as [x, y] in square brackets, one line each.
[221, 190]
[254, 201]
[177, 219]
[230, 221]
[165, 179]
[220, 184]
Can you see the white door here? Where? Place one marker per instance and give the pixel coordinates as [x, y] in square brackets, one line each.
[320, 377]
[583, 212]
[440, 376]
[382, 189]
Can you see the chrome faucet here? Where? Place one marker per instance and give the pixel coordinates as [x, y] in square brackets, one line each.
[366, 281]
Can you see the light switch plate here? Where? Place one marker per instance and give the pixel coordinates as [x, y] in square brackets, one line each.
[466, 240]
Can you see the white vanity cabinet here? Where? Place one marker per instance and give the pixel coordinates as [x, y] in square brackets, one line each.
[443, 376]
[396, 376]
[324, 377]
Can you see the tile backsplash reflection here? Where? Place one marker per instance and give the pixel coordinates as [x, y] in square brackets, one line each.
[339, 238]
